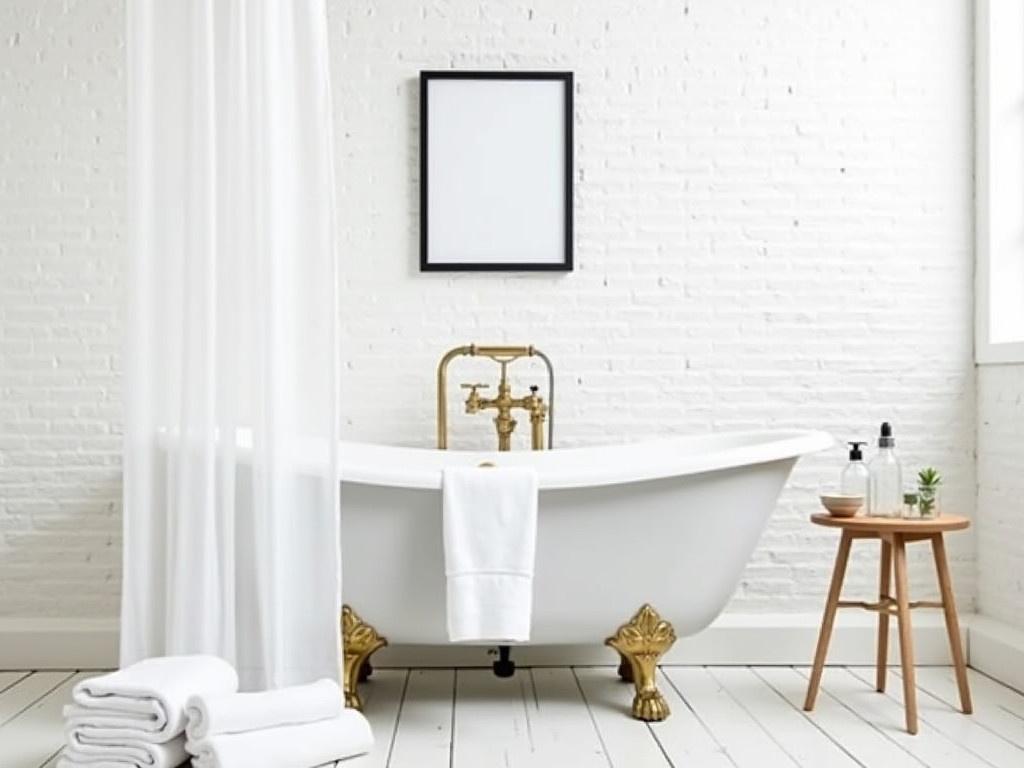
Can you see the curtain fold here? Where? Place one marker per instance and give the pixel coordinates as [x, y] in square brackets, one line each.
[231, 530]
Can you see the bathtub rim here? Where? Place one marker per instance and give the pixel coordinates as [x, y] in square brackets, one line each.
[395, 466]
[567, 468]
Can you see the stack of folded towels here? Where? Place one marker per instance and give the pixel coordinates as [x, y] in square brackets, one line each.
[136, 716]
[158, 712]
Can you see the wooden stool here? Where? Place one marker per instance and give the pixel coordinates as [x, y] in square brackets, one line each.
[893, 533]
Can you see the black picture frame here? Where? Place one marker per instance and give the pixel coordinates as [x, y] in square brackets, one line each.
[566, 264]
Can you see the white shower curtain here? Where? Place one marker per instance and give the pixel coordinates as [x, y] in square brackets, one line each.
[231, 540]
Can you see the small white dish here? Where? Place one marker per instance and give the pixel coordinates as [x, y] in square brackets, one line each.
[841, 504]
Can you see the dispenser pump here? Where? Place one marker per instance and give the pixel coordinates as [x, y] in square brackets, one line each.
[885, 438]
[854, 478]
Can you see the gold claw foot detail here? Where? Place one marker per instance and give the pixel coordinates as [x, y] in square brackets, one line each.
[641, 642]
[360, 641]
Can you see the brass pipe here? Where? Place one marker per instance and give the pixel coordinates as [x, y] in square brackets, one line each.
[500, 351]
[503, 422]
[442, 392]
[551, 398]
[536, 432]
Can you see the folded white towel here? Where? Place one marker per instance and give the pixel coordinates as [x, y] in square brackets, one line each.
[288, 746]
[237, 712]
[87, 751]
[146, 701]
[490, 537]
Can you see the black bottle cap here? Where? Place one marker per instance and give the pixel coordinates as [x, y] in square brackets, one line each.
[855, 454]
[885, 439]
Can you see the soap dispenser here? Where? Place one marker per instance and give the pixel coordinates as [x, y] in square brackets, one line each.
[885, 478]
[854, 479]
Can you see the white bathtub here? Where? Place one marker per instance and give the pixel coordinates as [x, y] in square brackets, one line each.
[666, 522]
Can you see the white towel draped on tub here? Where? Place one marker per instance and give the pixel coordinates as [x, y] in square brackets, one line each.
[490, 537]
[288, 746]
[237, 712]
[146, 701]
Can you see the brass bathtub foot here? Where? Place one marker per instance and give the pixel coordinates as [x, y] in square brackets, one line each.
[360, 641]
[641, 642]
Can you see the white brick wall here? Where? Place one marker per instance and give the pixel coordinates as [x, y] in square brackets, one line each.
[773, 211]
[1001, 492]
[61, 256]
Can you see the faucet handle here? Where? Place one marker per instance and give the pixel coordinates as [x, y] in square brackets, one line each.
[475, 386]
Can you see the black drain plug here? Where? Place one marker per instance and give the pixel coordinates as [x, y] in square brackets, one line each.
[504, 666]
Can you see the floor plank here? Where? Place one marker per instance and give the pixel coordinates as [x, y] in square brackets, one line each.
[739, 733]
[27, 691]
[423, 738]
[965, 730]
[798, 737]
[930, 746]
[1006, 697]
[36, 733]
[868, 745]
[382, 699]
[628, 743]
[683, 737]
[491, 728]
[563, 731]
[8, 679]
[722, 717]
[989, 708]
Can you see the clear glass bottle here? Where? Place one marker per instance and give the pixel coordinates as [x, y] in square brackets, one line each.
[910, 509]
[854, 479]
[885, 481]
[929, 505]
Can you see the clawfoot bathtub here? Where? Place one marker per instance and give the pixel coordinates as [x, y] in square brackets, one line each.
[654, 534]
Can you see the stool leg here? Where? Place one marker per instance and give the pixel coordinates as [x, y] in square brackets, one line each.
[952, 625]
[906, 635]
[884, 582]
[838, 573]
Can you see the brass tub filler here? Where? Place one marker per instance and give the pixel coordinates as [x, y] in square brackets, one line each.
[504, 404]
[640, 642]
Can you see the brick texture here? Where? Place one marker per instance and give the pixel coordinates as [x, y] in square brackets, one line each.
[62, 166]
[773, 216]
[1001, 492]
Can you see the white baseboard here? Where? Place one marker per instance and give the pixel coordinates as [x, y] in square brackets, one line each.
[992, 647]
[731, 639]
[997, 650]
[58, 643]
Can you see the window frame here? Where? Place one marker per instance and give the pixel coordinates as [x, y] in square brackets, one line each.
[989, 59]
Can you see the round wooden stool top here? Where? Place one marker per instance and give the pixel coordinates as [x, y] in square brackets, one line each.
[867, 524]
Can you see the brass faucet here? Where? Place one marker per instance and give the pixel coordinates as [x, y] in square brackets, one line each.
[504, 403]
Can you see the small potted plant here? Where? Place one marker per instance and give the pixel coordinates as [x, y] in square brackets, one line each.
[928, 481]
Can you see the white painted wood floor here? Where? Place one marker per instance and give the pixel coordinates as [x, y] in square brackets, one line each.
[721, 716]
